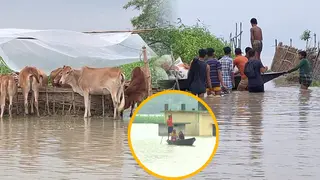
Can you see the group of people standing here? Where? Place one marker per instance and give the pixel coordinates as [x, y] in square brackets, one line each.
[214, 77]
[208, 74]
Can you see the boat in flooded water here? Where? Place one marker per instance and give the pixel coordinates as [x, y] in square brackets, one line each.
[183, 83]
[182, 142]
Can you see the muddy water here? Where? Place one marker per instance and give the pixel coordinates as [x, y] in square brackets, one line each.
[274, 135]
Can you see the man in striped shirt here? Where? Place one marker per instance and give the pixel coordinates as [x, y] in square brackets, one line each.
[215, 73]
[227, 70]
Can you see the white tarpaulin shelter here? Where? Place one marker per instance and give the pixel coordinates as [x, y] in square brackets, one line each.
[50, 49]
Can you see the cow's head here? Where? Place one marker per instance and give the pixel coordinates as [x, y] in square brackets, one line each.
[58, 76]
[66, 75]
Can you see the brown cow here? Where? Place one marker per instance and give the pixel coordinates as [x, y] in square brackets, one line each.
[44, 79]
[9, 87]
[29, 79]
[96, 81]
[137, 90]
[55, 78]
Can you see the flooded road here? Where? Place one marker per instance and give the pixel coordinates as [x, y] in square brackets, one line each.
[274, 135]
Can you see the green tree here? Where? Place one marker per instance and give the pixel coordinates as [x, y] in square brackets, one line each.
[154, 13]
[165, 37]
[306, 36]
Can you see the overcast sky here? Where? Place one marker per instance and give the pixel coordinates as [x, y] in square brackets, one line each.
[78, 15]
[278, 19]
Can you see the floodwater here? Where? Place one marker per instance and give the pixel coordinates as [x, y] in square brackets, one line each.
[172, 161]
[274, 135]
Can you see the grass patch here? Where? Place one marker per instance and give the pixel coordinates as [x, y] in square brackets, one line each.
[149, 118]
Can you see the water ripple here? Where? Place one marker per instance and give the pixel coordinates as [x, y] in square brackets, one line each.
[273, 135]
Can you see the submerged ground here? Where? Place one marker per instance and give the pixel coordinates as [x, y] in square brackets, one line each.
[273, 135]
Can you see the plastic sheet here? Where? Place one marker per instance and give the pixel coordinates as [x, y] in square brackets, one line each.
[50, 49]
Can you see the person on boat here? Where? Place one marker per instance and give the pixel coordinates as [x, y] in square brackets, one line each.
[170, 125]
[227, 70]
[215, 74]
[305, 74]
[240, 61]
[256, 38]
[174, 135]
[199, 75]
[181, 135]
[253, 70]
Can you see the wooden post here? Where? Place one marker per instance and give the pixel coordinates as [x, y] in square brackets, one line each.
[73, 103]
[17, 102]
[236, 38]
[147, 69]
[240, 38]
[63, 105]
[54, 101]
[102, 105]
[231, 44]
[276, 44]
[47, 101]
[175, 75]
[315, 40]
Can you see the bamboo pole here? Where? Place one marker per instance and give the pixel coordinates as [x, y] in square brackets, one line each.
[147, 68]
[63, 103]
[102, 105]
[240, 38]
[236, 39]
[73, 103]
[120, 31]
[290, 42]
[54, 102]
[47, 101]
[276, 44]
[17, 105]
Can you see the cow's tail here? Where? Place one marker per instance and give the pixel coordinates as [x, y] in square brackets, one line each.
[33, 72]
[121, 93]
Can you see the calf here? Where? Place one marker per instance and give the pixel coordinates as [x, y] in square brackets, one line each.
[29, 80]
[8, 87]
[96, 81]
[55, 78]
[137, 90]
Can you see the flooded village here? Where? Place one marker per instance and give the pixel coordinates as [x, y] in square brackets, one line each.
[81, 131]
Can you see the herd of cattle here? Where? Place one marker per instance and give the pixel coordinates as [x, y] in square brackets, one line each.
[85, 81]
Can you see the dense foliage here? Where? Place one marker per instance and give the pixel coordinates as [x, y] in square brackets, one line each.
[182, 40]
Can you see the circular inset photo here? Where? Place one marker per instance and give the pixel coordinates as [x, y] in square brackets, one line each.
[173, 135]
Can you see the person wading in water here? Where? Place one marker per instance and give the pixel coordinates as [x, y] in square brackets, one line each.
[227, 70]
[305, 74]
[240, 62]
[246, 51]
[253, 70]
[215, 74]
[199, 75]
[256, 37]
